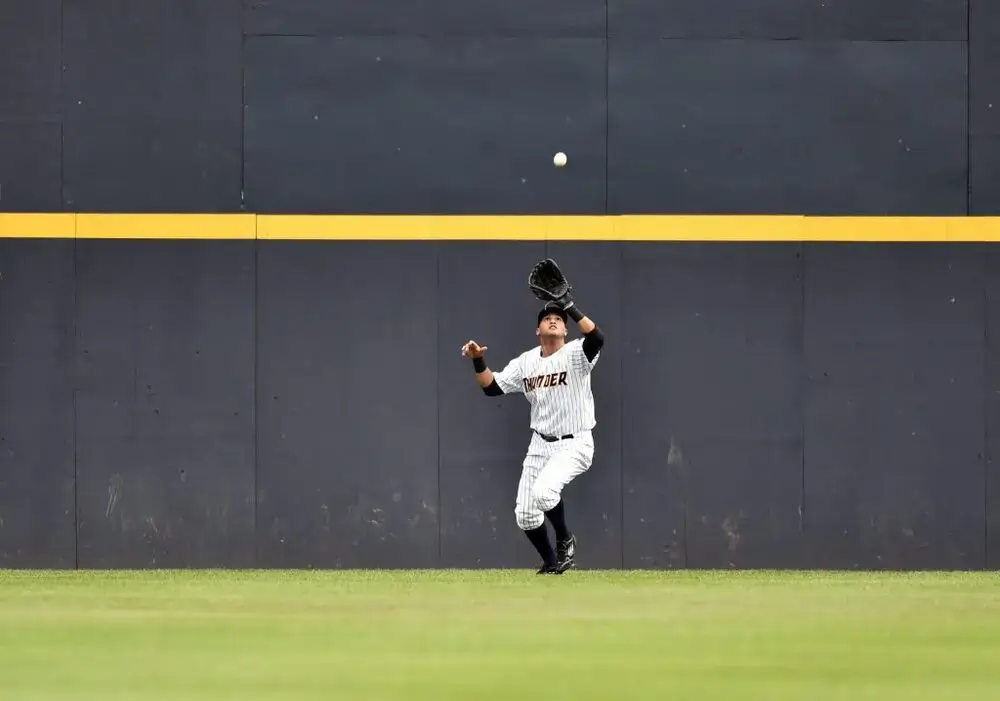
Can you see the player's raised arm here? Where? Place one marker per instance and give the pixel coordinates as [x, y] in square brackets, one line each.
[548, 282]
[484, 376]
[593, 339]
[493, 384]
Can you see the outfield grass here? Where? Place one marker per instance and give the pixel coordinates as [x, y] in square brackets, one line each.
[380, 636]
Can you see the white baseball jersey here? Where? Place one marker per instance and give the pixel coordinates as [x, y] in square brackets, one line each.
[557, 387]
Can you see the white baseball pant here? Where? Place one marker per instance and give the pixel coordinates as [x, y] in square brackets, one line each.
[546, 470]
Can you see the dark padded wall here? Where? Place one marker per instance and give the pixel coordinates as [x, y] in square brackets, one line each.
[984, 107]
[37, 489]
[152, 105]
[387, 106]
[894, 423]
[394, 17]
[482, 439]
[850, 20]
[753, 411]
[30, 57]
[991, 406]
[712, 405]
[30, 166]
[30, 129]
[813, 427]
[796, 127]
[164, 412]
[347, 416]
[407, 124]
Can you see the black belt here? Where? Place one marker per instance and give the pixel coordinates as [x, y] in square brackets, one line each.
[553, 439]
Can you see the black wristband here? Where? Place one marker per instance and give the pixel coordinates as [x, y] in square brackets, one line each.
[479, 364]
[574, 313]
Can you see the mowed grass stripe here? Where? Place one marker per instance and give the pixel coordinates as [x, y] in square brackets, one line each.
[388, 635]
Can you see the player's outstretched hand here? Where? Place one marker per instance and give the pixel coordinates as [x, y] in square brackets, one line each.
[473, 350]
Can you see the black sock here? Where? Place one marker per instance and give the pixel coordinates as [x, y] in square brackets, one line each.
[558, 518]
[539, 537]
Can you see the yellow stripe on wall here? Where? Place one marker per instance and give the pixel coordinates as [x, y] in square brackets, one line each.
[435, 228]
[37, 226]
[901, 229]
[500, 228]
[166, 226]
[707, 228]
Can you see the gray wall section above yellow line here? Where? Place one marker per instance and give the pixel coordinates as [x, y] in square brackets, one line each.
[340, 107]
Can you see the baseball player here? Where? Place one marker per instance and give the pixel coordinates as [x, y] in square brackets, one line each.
[555, 379]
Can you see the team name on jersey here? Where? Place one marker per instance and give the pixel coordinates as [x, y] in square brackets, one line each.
[553, 379]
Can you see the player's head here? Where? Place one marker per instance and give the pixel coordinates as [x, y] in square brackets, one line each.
[551, 322]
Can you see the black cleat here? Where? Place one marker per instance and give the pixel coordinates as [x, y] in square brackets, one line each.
[551, 569]
[566, 553]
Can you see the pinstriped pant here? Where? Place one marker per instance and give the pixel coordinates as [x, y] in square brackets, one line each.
[546, 470]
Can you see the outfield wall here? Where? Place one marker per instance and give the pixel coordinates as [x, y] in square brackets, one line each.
[777, 391]
[457, 106]
[289, 392]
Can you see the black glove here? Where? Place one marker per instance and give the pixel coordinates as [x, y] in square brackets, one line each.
[549, 284]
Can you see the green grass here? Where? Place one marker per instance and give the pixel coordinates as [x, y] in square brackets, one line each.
[367, 636]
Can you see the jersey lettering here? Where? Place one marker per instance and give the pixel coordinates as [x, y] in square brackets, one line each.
[554, 379]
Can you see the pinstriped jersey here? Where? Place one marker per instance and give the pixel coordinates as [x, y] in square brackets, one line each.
[557, 387]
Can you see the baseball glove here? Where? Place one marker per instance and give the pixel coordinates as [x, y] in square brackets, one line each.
[549, 284]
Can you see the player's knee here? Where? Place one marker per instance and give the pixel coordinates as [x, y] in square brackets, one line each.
[527, 520]
[545, 497]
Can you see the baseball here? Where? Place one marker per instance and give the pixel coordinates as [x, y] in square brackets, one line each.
[559, 159]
